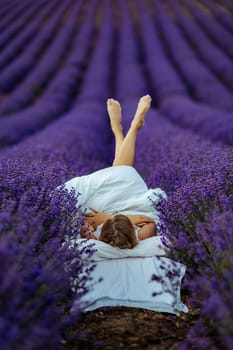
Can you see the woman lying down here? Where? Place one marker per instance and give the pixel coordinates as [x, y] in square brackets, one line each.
[121, 210]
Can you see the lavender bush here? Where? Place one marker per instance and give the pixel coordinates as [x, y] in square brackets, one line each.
[121, 49]
[197, 218]
[216, 59]
[35, 288]
[214, 29]
[222, 16]
[24, 14]
[203, 84]
[19, 43]
[18, 69]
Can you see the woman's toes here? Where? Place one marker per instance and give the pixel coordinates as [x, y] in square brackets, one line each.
[109, 101]
[144, 104]
[143, 107]
[145, 99]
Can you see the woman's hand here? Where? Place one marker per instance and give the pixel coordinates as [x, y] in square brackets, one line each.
[140, 220]
[87, 231]
[97, 217]
[148, 230]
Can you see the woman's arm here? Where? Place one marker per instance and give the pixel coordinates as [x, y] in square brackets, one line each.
[148, 227]
[140, 220]
[147, 231]
[97, 217]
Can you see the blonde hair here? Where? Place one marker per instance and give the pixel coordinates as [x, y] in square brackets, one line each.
[119, 232]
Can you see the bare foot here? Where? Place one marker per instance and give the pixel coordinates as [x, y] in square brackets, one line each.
[143, 107]
[114, 111]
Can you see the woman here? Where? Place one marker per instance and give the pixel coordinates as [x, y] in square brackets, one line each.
[120, 209]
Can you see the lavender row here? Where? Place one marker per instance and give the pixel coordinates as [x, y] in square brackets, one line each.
[227, 4]
[215, 246]
[20, 42]
[128, 70]
[7, 9]
[17, 70]
[54, 217]
[19, 23]
[46, 68]
[202, 83]
[198, 179]
[9, 14]
[35, 300]
[95, 86]
[66, 135]
[184, 118]
[214, 57]
[36, 291]
[214, 29]
[58, 96]
[225, 18]
[164, 79]
[168, 88]
[202, 119]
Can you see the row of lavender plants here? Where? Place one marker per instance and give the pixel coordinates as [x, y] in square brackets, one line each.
[58, 95]
[13, 25]
[171, 92]
[36, 315]
[19, 43]
[223, 16]
[215, 30]
[226, 4]
[17, 69]
[8, 7]
[214, 57]
[38, 78]
[204, 85]
[217, 130]
[196, 174]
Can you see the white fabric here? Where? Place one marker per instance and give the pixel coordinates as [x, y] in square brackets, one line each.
[127, 282]
[126, 273]
[103, 251]
[118, 189]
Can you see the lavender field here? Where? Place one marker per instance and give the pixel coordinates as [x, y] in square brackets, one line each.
[59, 62]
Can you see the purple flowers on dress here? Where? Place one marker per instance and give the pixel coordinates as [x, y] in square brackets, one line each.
[54, 126]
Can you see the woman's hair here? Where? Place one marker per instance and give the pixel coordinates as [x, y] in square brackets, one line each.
[119, 232]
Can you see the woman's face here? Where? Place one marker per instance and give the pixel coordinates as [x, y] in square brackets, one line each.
[87, 231]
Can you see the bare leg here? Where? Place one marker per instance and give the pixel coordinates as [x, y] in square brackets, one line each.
[126, 152]
[114, 111]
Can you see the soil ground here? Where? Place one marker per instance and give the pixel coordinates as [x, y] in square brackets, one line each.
[117, 328]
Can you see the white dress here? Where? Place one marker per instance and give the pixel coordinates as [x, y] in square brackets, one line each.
[120, 189]
[117, 189]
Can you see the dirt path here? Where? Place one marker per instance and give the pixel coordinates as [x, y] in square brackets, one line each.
[132, 328]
